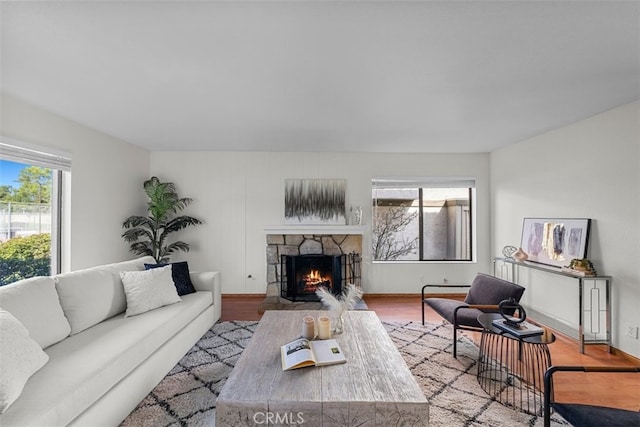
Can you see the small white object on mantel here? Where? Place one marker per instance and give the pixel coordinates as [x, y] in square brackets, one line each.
[315, 229]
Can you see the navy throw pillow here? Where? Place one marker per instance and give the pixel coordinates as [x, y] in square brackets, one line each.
[180, 275]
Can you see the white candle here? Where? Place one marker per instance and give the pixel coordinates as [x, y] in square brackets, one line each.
[308, 327]
[324, 328]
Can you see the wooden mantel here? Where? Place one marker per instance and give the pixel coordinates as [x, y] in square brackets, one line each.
[315, 229]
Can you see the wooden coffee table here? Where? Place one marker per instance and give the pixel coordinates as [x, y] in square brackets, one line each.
[374, 387]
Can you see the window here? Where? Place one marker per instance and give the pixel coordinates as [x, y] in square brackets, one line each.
[423, 219]
[31, 182]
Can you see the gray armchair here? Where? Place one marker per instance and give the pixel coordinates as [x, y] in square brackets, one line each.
[587, 415]
[484, 295]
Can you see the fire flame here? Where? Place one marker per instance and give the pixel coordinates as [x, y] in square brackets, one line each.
[314, 275]
[315, 279]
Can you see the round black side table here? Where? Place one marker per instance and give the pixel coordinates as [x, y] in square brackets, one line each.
[511, 369]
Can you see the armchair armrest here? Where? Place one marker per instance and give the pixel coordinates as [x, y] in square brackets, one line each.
[485, 307]
[441, 286]
[209, 281]
[481, 307]
[455, 314]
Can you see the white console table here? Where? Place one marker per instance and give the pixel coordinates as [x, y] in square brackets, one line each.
[588, 286]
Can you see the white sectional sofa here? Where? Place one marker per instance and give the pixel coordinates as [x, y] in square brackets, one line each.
[101, 364]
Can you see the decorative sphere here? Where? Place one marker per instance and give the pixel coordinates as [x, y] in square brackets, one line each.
[508, 251]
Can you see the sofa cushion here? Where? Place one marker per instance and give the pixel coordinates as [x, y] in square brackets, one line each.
[147, 290]
[85, 366]
[20, 357]
[487, 289]
[596, 416]
[180, 274]
[446, 307]
[92, 295]
[34, 302]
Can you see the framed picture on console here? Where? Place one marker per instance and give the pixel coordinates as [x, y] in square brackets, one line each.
[555, 241]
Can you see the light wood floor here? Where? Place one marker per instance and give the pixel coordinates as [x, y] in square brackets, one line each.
[614, 390]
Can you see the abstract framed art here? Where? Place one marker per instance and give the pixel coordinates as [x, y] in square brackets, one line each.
[315, 201]
[555, 241]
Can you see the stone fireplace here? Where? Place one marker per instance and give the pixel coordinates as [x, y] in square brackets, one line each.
[340, 252]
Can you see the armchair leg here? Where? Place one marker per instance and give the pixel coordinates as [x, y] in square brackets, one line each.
[455, 341]
[423, 312]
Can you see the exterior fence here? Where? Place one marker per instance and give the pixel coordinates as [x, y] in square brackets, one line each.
[23, 219]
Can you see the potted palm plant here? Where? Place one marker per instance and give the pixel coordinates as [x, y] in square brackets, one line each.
[148, 235]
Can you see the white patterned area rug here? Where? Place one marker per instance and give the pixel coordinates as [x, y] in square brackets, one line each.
[187, 395]
[450, 384]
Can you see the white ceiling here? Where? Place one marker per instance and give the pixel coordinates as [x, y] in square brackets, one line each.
[377, 76]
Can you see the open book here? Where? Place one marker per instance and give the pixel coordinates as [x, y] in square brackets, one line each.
[303, 352]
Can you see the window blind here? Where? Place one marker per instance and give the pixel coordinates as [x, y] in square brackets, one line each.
[33, 155]
[424, 182]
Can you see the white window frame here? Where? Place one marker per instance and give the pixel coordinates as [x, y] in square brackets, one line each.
[60, 163]
[435, 182]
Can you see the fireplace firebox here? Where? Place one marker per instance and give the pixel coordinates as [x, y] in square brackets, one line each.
[302, 275]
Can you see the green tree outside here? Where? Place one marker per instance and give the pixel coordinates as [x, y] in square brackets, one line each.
[29, 256]
[24, 257]
[5, 192]
[35, 186]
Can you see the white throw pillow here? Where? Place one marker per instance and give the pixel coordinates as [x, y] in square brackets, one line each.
[146, 290]
[20, 357]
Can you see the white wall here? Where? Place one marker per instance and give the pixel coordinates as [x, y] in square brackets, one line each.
[589, 169]
[106, 180]
[237, 194]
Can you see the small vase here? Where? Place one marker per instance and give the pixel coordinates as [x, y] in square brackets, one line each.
[355, 215]
[338, 325]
